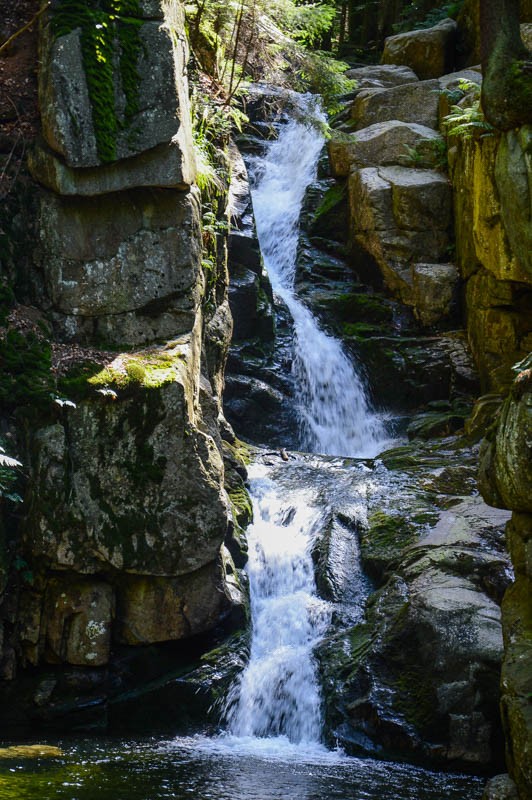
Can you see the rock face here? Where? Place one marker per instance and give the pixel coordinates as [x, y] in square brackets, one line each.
[412, 102]
[490, 178]
[401, 215]
[150, 113]
[420, 674]
[506, 465]
[383, 144]
[430, 52]
[126, 514]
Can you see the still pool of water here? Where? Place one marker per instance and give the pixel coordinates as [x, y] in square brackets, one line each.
[223, 768]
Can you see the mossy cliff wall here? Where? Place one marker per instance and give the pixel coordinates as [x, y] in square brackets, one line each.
[491, 178]
[120, 537]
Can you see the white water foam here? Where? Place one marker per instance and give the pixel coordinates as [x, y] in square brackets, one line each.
[278, 694]
[331, 401]
[277, 697]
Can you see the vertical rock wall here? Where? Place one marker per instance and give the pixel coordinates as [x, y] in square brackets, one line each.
[506, 479]
[492, 201]
[126, 513]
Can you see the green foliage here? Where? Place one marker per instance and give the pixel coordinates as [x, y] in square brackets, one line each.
[332, 197]
[306, 23]
[213, 122]
[324, 75]
[25, 365]
[428, 153]
[8, 476]
[414, 15]
[105, 25]
[22, 567]
[468, 122]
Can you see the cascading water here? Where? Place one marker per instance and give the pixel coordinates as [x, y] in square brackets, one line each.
[331, 402]
[278, 692]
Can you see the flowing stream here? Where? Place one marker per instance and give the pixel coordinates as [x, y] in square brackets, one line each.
[278, 693]
[272, 748]
[331, 402]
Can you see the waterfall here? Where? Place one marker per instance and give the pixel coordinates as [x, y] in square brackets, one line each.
[331, 402]
[278, 692]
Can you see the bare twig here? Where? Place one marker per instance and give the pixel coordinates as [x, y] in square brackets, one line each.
[22, 30]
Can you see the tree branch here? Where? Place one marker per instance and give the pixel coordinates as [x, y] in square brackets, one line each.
[26, 27]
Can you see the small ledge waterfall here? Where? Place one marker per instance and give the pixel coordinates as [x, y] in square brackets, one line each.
[278, 693]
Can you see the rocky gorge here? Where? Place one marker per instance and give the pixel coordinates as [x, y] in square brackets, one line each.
[121, 569]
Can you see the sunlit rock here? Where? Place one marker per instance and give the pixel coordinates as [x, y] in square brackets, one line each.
[429, 52]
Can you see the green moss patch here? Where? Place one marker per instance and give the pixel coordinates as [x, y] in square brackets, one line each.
[107, 27]
[332, 198]
[415, 697]
[384, 540]
[149, 369]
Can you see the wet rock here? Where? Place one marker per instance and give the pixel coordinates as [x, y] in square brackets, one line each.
[260, 411]
[382, 144]
[501, 787]
[414, 102]
[429, 52]
[251, 308]
[516, 679]
[381, 76]
[420, 674]
[438, 423]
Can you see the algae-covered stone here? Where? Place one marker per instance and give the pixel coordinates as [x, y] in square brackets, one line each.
[506, 474]
[429, 52]
[480, 232]
[127, 480]
[160, 111]
[513, 176]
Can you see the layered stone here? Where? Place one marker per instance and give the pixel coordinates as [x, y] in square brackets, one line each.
[384, 144]
[400, 216]
[413, 102]
[161, 113]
